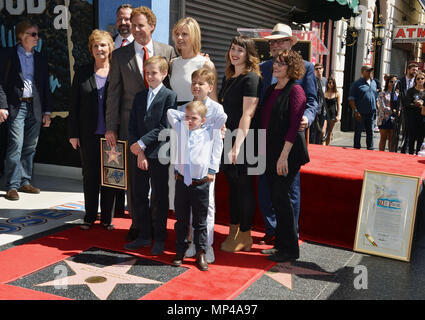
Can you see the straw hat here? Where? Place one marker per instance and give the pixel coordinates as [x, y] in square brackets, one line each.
[281, 31]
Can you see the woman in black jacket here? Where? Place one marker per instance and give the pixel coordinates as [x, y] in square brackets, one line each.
[87, 126]
[281, 112]
[415, 98]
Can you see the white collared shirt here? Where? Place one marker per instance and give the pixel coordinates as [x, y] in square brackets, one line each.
[140, 53]
[151, 96]
[120, 38]
[198, 144]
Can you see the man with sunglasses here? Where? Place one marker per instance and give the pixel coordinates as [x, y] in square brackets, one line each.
[362, 99]
[280, 39]
[25, 102]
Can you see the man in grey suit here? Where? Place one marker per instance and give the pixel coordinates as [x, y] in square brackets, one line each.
[126, 80]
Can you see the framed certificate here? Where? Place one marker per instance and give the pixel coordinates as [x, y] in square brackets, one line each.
[114, 164]
[387, 214]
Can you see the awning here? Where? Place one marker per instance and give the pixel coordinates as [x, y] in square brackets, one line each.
[324, 10]
[409, 34]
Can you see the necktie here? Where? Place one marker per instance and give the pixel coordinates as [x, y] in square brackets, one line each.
[187, 175]
[150, 99]
[123, 42]
[145, 57]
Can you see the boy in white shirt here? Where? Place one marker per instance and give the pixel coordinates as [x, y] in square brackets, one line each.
[202, 85]
[195, 145]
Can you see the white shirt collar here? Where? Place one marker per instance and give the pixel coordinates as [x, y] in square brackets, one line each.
[120, 38]
[156, 90]
[139, 48]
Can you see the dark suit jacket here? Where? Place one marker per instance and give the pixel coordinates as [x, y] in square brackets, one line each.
[125, 82]
[146, 125]
[84, 112]
[11, 89]
[308, 82]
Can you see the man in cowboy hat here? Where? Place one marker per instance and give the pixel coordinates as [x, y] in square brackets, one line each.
[280, 39]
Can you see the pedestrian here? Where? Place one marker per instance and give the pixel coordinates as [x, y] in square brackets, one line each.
[415, 98]
[320, 125]
[147, 119]
[126, 79]
[195, 145]
[239, 95]
[86, 126]
[386, 110]
[25, 101]
[362, 100]
[333, 104]
[281, 112]
[283, 39]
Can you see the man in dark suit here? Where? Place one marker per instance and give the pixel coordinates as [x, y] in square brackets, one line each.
[126, 80]
[148, 117]
[25, 100]
[406, 82]
[282, 39]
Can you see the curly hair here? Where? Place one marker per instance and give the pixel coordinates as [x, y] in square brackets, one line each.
[252, 63]
[296, 68]
[148, 13]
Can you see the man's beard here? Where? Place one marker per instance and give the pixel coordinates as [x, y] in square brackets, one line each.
[123, 30]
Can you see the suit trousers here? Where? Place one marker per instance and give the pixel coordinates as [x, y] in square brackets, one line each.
[194, 197]
[286, 231]
[150, 217]
[90, 160]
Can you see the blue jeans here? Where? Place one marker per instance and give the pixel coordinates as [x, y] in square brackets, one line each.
[22, 140]
[265, 202]
[367, 122]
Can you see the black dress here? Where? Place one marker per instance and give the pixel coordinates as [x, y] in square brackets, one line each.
[331, 104]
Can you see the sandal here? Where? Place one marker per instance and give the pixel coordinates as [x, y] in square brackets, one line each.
[86, 226]
[108, 227]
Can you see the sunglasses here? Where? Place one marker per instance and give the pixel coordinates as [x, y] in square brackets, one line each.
[32, 34]
[420, 78]
[279, 63]
[318, 68]
[279, 41]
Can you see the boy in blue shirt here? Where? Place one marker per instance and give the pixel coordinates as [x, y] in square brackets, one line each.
[195, 145]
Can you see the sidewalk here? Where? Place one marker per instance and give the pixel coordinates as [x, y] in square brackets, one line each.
[321, 273]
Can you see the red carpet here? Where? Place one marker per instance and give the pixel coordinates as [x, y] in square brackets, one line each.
[331, 186]
[227, 278]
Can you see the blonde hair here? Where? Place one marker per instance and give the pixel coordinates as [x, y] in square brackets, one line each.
[159, 61]
[198, 107]
[194, 33]
[148, 13]
[100, 35]
[206, 74]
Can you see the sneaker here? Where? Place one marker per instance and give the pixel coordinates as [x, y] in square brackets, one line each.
[191, 251]
[12, 195]
[210, 254]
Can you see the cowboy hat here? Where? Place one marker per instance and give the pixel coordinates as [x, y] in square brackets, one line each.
[281, 31]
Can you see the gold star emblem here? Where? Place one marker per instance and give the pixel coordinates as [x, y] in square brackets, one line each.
[283, 272]
[113, 155]
[101, 281]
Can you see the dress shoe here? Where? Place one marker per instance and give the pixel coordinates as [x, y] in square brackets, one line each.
[269, 251]
[12, 194]
[29, 189]
[267, 240]
[282, 257]
[131, 235]
[178, 260]
[201, 261]
[158, 248]
[138, 243]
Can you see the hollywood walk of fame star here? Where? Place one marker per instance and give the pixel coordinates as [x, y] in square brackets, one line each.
[101, 281]
[113, 155]
[283, 272]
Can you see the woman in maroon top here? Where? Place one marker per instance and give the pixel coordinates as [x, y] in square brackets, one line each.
[281, 113]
